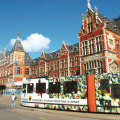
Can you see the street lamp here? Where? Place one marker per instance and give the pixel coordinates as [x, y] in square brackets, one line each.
[16, 69]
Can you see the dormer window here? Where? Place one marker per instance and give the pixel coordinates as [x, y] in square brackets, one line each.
[104, 18]
[19, 48]
[90, 24]
[111, 22]
[115, 27]
[107, 23]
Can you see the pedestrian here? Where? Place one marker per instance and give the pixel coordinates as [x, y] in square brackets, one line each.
[13, 101]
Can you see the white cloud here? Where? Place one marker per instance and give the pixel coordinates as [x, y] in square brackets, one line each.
[35, 42]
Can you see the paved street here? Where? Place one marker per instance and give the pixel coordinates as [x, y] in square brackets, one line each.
[24, 113]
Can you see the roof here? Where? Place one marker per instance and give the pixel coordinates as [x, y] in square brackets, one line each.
[35, 61]
[74, 48]
[28, 60]
[18, 46]
[110, 23]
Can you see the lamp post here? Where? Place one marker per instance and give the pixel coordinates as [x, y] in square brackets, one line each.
[16, 70]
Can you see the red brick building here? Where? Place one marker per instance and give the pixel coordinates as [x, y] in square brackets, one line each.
[99, 40]
[98, 48]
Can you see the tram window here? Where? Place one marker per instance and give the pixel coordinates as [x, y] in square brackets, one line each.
[24, 88]
[30, 88]
[70, 87]
[115, 90]
[54, 87]
[104, 84]
[40, 87]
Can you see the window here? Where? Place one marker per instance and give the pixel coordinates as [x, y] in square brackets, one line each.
[77, 72]
[70, 87]
[91, 46]
[104, 85]
[71, 62]
[30, 88]
[61, 74]
[66, 73]
[76, 61]
[115, 90]
[98, 65]
[66, 65]
[111, 41]
[47, 68]
[40, 87]
[50, 66]
[18, 70]
[57, 65]
[43, 68]
[24, 88]
[84, 48]
[54, 66]
[85, 69]
[54, 87]
[26, 71]
[38, 70]
[90, 25]
[31, 71]
[61, 64]
[71, 73]
[98, 44]
[118, 45]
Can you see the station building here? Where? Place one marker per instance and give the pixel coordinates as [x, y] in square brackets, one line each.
[98, 48]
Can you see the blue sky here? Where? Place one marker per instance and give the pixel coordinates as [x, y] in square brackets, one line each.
[45, 23]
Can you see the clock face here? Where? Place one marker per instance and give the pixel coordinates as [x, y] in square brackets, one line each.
[19, 57]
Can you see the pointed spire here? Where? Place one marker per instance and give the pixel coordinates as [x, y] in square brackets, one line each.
[88, 4]
[82, 15]
[18, 35]
[63, 38]
[95, 9]
[42, 49]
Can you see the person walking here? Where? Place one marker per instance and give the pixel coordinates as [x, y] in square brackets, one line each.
[13, 101]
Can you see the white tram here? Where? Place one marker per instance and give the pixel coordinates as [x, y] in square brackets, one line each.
[61, 93]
